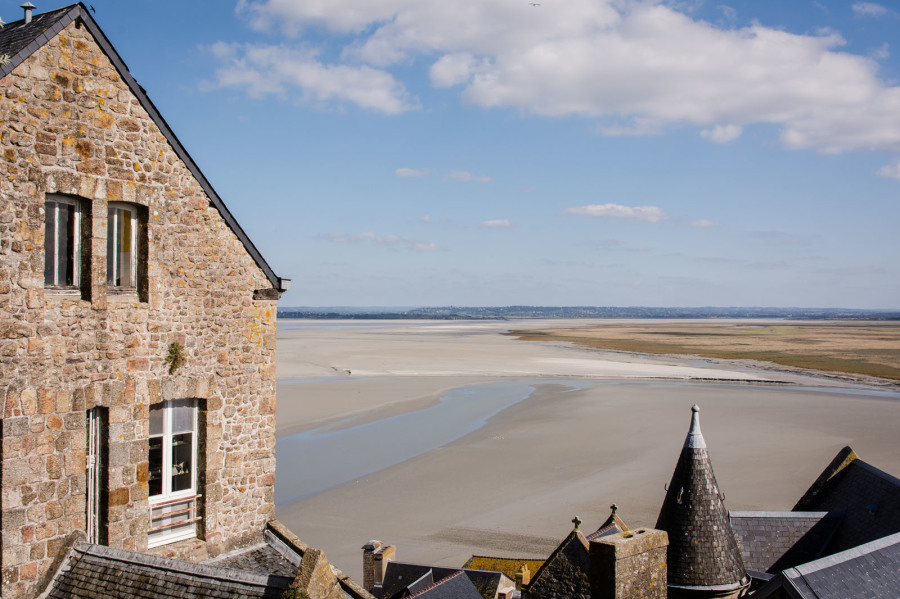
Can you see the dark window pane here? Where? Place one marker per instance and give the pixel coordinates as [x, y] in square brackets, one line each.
[156, 462]
[182, 458]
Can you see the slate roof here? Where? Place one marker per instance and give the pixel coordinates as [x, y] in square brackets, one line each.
[96, 571]
[273, 556]
[868, 497]
[869, 571]
[16, 38]
[402, 579]
[455, 586]
[772, 541]
[702, 548]
[20, 41]
[571, 558]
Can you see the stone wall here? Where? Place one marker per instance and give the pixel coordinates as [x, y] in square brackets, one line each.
[629, 564]
[566, 573]
[69, 125]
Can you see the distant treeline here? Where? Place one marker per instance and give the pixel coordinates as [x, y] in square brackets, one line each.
[511, 312]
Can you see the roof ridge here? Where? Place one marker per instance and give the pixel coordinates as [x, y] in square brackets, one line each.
[847, 555]
[437, 584]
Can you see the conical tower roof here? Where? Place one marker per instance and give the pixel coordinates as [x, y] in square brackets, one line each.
[703, 553]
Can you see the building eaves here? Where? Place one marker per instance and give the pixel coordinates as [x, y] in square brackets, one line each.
[25, 39]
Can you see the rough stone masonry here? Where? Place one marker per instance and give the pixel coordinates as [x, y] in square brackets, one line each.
[70, 125]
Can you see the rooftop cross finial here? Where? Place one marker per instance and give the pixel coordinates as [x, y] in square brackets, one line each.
[577, 522]
[614, 507]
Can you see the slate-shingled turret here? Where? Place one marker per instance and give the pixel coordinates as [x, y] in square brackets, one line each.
[704, 559]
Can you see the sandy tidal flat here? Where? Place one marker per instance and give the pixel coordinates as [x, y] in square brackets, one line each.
[595, 428]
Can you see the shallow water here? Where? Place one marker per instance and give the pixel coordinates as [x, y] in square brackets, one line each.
[345, 454]
[328, 458]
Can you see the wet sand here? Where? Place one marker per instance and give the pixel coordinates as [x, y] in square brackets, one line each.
[513, 486]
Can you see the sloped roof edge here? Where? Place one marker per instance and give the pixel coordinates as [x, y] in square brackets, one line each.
[80, 11]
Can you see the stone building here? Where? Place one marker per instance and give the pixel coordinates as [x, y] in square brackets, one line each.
[137, 321]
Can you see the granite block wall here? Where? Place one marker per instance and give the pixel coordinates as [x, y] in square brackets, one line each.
[70, 125]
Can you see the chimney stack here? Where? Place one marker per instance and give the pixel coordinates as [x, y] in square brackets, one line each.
[28, 7]
[629, 564]
[376, 556]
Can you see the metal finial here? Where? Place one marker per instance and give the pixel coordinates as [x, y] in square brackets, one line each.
[614, 507]
[577, 522]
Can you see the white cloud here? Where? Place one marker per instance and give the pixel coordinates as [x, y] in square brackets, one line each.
[890, 170]
[466, 177]
[424, 246]
[660, 68]
[410, 172]
[358, 237]
[703, 224]
[650, 214]
[425, 219]
[497, 224]
[722, 134]
[297, 73]
[868, 9]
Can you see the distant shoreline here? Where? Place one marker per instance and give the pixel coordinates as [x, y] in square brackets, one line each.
[581, 313]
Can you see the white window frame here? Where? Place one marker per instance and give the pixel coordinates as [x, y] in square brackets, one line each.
[113, 265]
[184, 502]
[51, 209]
[93, 472]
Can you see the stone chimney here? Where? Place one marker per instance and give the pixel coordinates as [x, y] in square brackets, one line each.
[27, 7]
[629, 564]
[376, 556]
[523, 577]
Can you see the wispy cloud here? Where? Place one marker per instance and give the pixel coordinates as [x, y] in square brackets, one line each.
[722, 134]
[650, 214]
[410, 172]
[298, 74]
[341, 237]
[497, 224]
[385, 240]
[702, 223]
[466, 177]
[890, 170]
[869, 9]
[425, 219]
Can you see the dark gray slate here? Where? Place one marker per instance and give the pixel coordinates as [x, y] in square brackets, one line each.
[92, 571]
[870, 571]
[773, 541]
[702, 549]
[869, 499]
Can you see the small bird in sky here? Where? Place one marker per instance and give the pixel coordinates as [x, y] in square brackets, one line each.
[535, 3]
[94, 10]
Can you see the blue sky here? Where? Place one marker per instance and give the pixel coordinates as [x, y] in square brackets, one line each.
[571, 152]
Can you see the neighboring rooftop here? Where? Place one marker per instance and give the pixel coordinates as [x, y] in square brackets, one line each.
[91, 571]
[869, 571]
[772, 541]
[868, 497]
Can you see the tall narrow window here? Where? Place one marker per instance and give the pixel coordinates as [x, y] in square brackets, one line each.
[122, 246]
[62, 242]
[173, 475]
[95, 471]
